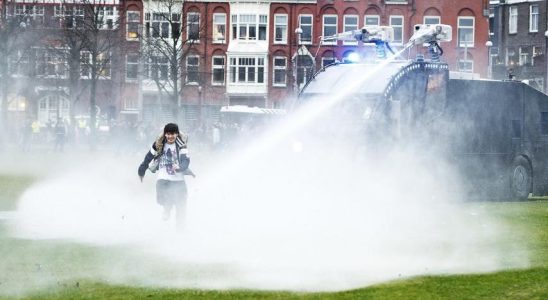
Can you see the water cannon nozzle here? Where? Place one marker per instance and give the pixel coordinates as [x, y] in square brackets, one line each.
[428, 33]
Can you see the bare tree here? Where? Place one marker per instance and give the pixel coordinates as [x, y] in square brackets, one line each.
[166, 48]
[13, 38]
[91, 38]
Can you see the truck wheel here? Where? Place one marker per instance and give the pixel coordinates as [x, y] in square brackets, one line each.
[520, 179]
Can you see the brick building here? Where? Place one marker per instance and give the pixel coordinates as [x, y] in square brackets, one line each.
[228, 52]
[519, 29]
[259, 37]
[61, 59]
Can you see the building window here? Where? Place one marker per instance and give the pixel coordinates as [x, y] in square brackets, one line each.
[513, 19]
[537, 51]
[133, 21]
[218, 72]
[533, 18]
[329, 27]
[132, 66]
[466, 31]
[156, 68]
[52, 107]
[192, 65]
[85, 64]
[19, 64]
[305, 68]
[510, 59]
[193, 26]
[466, 65]
[523, 56]
[280, 29]
[247, 70]
[69, 17]
[163, 25]
[305, 22]
[219, 28]
[372, 20]
[432, 20]
[396, 22]
[29, 14]
[107, 17]
[350, 24]
[77, 18]
[249, 27]
[280, 71]
[50, 63]
[102, 65]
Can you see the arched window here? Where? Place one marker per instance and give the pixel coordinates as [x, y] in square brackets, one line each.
[52, 107]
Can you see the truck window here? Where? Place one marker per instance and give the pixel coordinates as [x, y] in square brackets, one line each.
[544, 123]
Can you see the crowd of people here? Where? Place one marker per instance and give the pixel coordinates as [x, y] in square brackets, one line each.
[121, 136]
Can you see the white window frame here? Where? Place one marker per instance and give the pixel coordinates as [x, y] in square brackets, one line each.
[459, 27]
[191, 21]
[330, 25]
[218, 67]
[425, 18]
[31, 14]
[256, 21]
[523, 57]
[468, 61]
[132, 64]
[234, 68]
[281, 26]
[105, 14]
[347, 27]
[197, 57]
[533, 18]
[537, 51]
[19, 63]
[215, 36]
[304, 26]
[162, 17]
[366, 17]
[100, 62]
[512, 19]
[136, 22]
[153, 69]
[278, 68]
[400, 27]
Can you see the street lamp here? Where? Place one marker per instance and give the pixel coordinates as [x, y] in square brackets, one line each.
[298, 33]
[201, 104]
[489, 44]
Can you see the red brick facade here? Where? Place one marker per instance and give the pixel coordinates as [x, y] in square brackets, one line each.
[413, 12]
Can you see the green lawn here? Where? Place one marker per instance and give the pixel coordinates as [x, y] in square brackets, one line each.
[11, 187]
[60, 269]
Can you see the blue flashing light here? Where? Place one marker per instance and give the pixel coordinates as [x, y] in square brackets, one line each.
[353, 57]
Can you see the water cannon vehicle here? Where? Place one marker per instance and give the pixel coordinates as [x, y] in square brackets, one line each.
[494, 132]
[381, 36]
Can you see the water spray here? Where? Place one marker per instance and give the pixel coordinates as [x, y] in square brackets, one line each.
[380, 36]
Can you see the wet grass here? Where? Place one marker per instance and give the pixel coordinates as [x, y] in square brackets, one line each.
[11, 188]
[45, 269]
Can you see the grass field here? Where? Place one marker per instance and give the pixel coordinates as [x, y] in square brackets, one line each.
[60, 269]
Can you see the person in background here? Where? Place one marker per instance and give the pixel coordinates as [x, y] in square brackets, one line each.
[60, 131]
[168, 157]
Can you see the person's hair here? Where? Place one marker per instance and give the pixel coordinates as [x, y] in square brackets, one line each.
[171, 128]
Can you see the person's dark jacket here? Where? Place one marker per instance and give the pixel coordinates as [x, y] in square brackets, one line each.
[156, 151]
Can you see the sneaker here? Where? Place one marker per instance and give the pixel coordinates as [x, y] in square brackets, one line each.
[166, 214]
